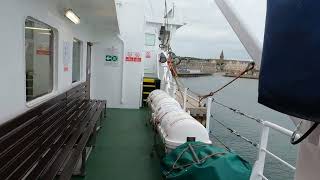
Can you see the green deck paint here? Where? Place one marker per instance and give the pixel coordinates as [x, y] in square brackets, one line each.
[123, 149]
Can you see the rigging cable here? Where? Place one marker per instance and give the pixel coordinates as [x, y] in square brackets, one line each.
[232, 131]
[224, 145]
[292, 139]
[260, 121]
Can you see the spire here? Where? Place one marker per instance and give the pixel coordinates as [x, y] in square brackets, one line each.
[222, 55]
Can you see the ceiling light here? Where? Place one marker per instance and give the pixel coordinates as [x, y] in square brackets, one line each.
[36, 28]
[72, 16]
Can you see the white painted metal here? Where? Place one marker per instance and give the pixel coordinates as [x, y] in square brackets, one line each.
[209, 102]
[250, 42]
[279, 129]
[257, 171]
[279, 159]
[185, 94]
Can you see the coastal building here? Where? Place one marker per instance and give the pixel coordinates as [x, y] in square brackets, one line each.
[197, 65]
[235, 65]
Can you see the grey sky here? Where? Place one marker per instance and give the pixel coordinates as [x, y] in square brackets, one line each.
[207, 32]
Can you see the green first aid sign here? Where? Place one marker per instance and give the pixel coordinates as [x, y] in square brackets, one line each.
[111, 58]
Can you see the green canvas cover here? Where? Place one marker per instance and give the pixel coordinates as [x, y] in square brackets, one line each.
[199, 161]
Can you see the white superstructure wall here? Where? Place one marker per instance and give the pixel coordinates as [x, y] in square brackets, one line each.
[13, 14]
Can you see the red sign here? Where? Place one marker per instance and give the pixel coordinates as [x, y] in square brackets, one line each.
[66, 68]
[134, 57]
[43, 52]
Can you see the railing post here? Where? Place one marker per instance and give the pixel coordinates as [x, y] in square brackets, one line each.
[166, 86]
[185, 94]
[174, 90]
[209, 102]
[258, 168]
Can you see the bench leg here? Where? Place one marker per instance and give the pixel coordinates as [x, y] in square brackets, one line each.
[83, 162]
[105, 110]
[99, 122]
[94, 136]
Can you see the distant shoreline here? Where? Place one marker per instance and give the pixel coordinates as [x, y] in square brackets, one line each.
[194, 74]
[247, 76]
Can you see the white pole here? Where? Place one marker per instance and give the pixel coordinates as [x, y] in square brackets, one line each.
[257, 172]
[209, 102]
[174, 91]
[185, 93]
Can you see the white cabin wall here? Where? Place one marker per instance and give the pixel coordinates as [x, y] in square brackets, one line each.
[12, 70]
[131, 21]
[106, 77]
[150, 64]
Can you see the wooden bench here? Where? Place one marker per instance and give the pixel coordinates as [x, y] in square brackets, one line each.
[47, 141]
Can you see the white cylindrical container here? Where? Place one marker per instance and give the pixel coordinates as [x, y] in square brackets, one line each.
[174, 125]
[177, 127]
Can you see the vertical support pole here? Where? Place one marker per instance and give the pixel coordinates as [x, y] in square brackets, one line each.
[83, 162]
[174, 91]
[100, 122]
[185, 93]
[209, 102]
[105, 110]
[167, 87]
[94, 136]
[258, 167]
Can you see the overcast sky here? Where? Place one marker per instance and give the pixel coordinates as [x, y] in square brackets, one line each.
[207, 32]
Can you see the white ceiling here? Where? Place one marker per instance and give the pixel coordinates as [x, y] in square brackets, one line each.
[98, 14]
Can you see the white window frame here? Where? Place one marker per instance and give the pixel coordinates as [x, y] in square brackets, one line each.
[39, 100]
[145, 39]
[81, 62]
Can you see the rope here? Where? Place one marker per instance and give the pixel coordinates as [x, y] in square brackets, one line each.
[200, 161]
[248, 68]
[236, 133]
[173, 70]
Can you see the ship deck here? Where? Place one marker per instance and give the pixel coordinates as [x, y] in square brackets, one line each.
[123, 149]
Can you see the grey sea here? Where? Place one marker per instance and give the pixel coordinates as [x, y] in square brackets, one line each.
[243, 95]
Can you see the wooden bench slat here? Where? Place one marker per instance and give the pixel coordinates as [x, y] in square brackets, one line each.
[55, 167]
[43, 162]
[16, 143]
[16, 122]
[36, 143]
[69, 167]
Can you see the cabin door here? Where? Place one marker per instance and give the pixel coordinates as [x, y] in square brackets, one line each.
[88, 68]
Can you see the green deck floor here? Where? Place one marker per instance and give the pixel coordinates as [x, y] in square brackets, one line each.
[123, 149]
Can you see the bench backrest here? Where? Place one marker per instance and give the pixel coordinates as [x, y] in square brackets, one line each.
[29, 142]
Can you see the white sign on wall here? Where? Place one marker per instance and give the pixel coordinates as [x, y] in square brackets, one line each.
[67, 55]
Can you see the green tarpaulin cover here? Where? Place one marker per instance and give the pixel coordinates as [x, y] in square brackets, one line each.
[199, 161]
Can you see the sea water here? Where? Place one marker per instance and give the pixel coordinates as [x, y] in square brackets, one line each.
[243, 95]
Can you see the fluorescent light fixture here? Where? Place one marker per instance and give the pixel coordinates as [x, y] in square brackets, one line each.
[72, 16]
[36, 28]
[49, 34]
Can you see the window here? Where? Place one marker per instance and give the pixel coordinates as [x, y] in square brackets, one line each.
[39, 43]
[150, 39]
[76, 60]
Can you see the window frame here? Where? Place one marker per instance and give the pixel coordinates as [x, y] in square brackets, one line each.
[145, 39]
[43, 98]
[80, 62]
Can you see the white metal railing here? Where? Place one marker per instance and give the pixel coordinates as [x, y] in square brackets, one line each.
[258, 168]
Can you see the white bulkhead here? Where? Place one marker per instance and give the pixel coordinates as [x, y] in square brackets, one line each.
[116, 28]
